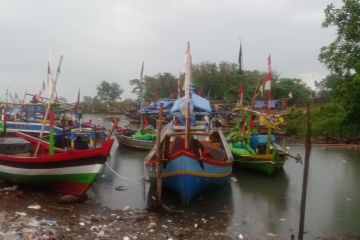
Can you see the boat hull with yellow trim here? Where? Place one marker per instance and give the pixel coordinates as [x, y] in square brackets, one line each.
[265, 163]
[205, 165]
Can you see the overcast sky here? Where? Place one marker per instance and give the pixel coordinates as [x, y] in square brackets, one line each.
[109, 39]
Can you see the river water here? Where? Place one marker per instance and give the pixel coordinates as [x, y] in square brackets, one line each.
[254, 204]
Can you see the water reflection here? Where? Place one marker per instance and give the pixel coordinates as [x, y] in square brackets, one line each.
[127, 189]
[256, 205]
[261, 201]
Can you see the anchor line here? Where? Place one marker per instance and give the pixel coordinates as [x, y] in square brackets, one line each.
[122, 177]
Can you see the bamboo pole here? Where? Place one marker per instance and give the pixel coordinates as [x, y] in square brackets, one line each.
[159, 155]
[187, 96]
[48, 107]
[305, 175]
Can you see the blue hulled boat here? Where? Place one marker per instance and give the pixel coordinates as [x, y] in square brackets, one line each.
[190, 158]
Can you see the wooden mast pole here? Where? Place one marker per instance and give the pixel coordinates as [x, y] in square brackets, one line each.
[159, 154]
[48, 107]
[142, 96]
[187, 96]
[305, 175]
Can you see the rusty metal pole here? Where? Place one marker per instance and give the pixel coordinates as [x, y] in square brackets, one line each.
[159, 155]
[305, 175]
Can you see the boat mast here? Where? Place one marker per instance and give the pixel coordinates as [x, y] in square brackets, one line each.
[187, 96]
[142, 95]
[48, 107]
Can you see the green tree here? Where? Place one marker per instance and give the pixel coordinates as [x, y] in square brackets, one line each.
[342, 57]
[300, 92]
[109, 92]
[138, 87]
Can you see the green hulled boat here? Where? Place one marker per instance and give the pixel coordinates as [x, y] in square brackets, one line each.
[267, 163]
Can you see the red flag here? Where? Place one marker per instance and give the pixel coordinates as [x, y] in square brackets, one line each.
[251, 122]
[146, 122]
[241, 93]
[243, 129]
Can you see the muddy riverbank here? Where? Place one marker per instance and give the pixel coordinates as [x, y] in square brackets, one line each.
[28, 214]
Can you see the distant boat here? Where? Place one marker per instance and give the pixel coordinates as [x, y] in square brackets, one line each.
[192, 158]
[67, 171]
[136, 139]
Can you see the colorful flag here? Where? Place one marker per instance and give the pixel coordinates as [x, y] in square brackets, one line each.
[290, 95]
[145, 121]
[267, 85]
[241, 93]
[252, 124]
[262, 90]
[243, 129]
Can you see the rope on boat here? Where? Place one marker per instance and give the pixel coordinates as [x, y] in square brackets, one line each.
[122, 177]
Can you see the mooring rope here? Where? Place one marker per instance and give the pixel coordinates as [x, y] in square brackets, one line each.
[122, 177]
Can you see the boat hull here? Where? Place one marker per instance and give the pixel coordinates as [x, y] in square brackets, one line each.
[266, 163]
[134, 143]
[188, 176]
[66, 171]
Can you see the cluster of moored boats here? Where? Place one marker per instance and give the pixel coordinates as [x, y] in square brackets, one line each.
[187, 155]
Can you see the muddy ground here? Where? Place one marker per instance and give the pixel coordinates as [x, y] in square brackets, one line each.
[27, 214]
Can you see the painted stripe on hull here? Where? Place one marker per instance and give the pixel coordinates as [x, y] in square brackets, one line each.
[94, 168]
[188, 177]
[30, 127]
[52, 162]
[66, 180]
[266, 166]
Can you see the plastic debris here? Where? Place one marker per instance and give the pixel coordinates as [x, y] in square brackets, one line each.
[82, 224]
[152, 224]
[20, 213]
[233, 179]
[50, 222]
[8, 189]
[271, 234]
[195, 225]
[164, 226]
[126, 238]
[126, 208]
[121, 188]
[282, 219]
[241, 236]
[100, 234]
[36, 206]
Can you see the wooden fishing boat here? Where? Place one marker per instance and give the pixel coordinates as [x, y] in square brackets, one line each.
[67, 171]
[264, 162]
[135, 138]
[205, 164]
[189, 159]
